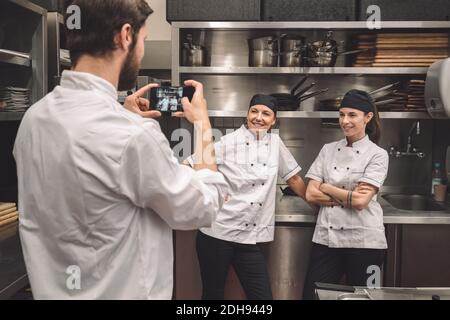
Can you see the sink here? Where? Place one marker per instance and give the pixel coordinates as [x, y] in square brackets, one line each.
[413, 202]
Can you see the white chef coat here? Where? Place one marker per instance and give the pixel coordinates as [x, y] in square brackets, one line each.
[345, 167]
[100, 190]
[251, 168]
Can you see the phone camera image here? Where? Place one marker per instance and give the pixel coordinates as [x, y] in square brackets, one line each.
[169, 99]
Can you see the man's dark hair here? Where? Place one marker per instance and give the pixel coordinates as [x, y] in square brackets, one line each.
[101, 20]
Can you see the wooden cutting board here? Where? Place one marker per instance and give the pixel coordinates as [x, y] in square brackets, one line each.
[411, 35]
[399, 64]
[8, 216]
[4, 206]
[7, 211]
[377, 59]
[8, 221]
[410, 45]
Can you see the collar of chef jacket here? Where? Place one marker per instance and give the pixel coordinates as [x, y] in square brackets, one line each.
[87, 81]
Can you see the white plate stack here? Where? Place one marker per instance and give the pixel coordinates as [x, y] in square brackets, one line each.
[13, 99]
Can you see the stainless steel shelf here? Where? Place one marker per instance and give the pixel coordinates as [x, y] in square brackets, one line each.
[11, 116]
[311, 25]
[304, 70]
[14, 57]
[318, 114]
[29, 6]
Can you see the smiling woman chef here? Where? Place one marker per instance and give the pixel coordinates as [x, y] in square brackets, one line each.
[345, 178]
[250, 159]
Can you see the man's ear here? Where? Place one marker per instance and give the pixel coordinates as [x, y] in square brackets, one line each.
[124, 38]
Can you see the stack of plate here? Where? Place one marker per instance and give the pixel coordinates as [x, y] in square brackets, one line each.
[14, 99]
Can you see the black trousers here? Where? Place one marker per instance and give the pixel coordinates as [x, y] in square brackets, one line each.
[329, 265]
[215, 257]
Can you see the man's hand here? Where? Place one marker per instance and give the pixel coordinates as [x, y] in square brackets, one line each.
[137, 104]
[197, 109]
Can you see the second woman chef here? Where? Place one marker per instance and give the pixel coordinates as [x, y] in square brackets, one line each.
[345, 178]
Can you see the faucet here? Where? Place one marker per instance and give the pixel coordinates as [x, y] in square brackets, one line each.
[416, 125]
[410, 149]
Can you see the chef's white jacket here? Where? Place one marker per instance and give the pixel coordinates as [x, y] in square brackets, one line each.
[99, 194]
[251, 167]
[345, 167]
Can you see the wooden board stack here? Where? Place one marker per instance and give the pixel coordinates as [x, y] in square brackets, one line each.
[401, 49]
[8, 214]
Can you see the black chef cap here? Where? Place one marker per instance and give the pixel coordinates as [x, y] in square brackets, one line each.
[358, 99]
[268, 101]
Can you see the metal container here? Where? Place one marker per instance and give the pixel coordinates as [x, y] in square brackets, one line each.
[287, 260]
[263, 52]
[292, 51]
[194, 56]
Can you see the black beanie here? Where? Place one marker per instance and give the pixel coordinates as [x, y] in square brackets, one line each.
[268, 101]
[358, 99]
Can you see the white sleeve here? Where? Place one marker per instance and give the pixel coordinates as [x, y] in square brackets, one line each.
[376, 171]
[316, 171]
[218, 150]
[151, 177]
[287, 165]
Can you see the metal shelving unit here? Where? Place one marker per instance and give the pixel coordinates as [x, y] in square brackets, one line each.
[304, 70]
[318, 114]
[14, 57]
[336, 25]
[11, 116]
[269, 27]
[23, 63]
[32, 57]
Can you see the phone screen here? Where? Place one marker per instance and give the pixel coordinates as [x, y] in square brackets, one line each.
[168, 99]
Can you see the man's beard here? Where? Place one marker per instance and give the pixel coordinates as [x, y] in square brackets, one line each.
[129, 73]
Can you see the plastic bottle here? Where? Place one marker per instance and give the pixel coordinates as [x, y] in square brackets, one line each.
[437, 176]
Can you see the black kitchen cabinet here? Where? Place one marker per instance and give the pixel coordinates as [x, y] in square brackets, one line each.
[408, 10]
[306, 10]
[213, 10]
[418, 256]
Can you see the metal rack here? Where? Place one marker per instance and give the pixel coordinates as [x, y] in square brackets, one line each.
[34, 60]
[250, 74]
[23, 62]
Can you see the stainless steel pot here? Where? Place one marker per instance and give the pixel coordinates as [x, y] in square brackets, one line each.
[292, 51]
[263, 52]
[194, 56]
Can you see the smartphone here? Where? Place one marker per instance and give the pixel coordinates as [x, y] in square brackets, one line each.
[168, 99]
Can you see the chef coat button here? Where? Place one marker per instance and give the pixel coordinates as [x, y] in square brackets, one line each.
[251, 203]
[342, 207]
[247, 143]
[332, 206]
[260, 204]
[254, 224]
[252, 164]
[339, 149]
[331, 227]
[246, 224]
[267, 144]
[335, 168]
[342, 228]
[264, 164]
[263, 183]
[253, 185]
[357, 151]
[348, 168]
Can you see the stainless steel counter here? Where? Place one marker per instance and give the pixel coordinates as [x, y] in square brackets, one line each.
[295, 210]
[387, 294]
